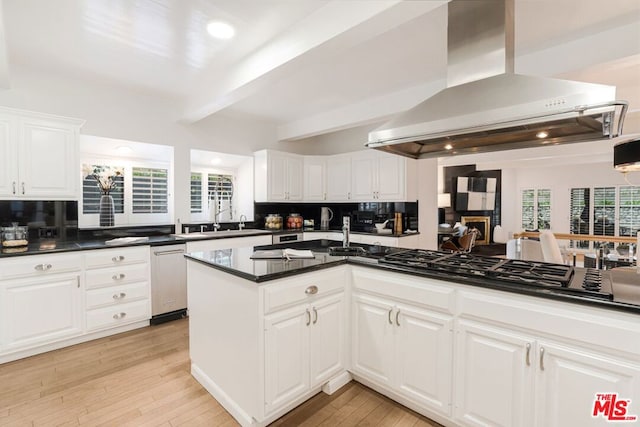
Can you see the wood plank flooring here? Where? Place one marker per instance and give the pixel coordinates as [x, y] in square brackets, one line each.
[141, 378]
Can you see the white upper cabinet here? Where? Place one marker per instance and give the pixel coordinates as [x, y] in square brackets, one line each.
[339, 177]
[278, 176]
[381, 176]
[315, 178]
[39, 156]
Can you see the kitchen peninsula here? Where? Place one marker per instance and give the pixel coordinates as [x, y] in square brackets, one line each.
[266, 335]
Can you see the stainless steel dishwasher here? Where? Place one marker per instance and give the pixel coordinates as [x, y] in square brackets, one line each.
[168, 283]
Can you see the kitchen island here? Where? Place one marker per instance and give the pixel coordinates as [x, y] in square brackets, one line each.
[265, 335]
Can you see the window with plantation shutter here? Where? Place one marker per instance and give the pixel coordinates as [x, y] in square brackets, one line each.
[536, 209]
[604, 211]
[91, 195]
[580, 218]
[196, 192]
[149, 190]
[528, 209]
[220, 187]
[629, 211]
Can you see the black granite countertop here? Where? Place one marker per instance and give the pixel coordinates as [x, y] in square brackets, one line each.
[238, 262]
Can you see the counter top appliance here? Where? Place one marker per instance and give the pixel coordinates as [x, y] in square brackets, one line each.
[586, 282]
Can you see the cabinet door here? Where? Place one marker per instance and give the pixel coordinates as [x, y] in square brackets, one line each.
[495, 374]
[294, 178]
[43, 310]
[277, 180]
[424, 357]
[339, 178]
[390, 177]
[372, 339]
[8, 156]
[363, 178]
[314, 179]
[48, 159]
[286, 356]
[568, 380]
[327, 338]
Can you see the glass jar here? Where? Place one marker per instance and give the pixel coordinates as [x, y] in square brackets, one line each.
[294, 221]
[14, 236]
[273, 222]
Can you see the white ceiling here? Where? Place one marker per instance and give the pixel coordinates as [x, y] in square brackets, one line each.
[310, 66]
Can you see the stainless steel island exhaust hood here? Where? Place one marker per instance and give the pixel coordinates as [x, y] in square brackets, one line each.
[486, 107]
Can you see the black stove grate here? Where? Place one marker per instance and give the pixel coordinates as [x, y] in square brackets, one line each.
[532, 271]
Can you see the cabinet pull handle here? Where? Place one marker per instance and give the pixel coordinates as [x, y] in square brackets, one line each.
[528, 352]
[118, 276]
[119, 316]
[14, 187]
[311, 290]
[121, 295]
[397, 317]
[118, 258]
[23, 187]
[389, 317]
[315, 315]
[542, 358]
[308, 317]
[43, 267]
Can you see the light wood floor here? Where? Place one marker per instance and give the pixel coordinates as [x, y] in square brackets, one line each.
[141, 378]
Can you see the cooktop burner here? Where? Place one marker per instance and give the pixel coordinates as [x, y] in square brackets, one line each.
[560, 278]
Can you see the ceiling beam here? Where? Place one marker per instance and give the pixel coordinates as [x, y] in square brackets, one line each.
[337, 25]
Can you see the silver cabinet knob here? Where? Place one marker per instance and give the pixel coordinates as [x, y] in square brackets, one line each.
[43, 267]
[311, 290]
[118, 276]
[119, 296]
[118, 258]
[119, 316]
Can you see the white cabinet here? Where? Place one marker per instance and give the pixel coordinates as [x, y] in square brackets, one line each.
[339, 177]
[40, 155]
[303, 349]
[379, 176]
[495, 373]
[118, 291]
[40, 300]
[378, 239]
[315, 178]
[510, 372]
[568, 379]
[278, 176]
[403, 347]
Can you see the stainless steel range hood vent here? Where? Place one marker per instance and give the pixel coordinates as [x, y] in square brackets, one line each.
[486, 107]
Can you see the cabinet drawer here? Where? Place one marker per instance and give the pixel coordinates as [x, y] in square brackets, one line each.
[110, 317]
[39, 265]
[117, 275]
[303, 288]
[117, 295]
[110, 257]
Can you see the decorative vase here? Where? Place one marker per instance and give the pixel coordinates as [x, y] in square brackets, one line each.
[107, 211]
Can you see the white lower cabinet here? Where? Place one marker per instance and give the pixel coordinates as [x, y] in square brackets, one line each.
[40, 310]
[495, 372]
[406, 348]
[303, 349]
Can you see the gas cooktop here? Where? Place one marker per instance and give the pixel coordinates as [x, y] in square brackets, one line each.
[560, 278]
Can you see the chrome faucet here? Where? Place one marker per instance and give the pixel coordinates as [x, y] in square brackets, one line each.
[346, 224]
[243, 218]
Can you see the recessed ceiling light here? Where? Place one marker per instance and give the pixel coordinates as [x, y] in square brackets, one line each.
[123, 149]
[220, 30]
[448, 147]
[542, 134]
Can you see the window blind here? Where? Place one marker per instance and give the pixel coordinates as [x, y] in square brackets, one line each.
[544, 209]
[528, 209]
[196, 192]
[629, 211]
[149, 190]
[579, 210]
[221, 186]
